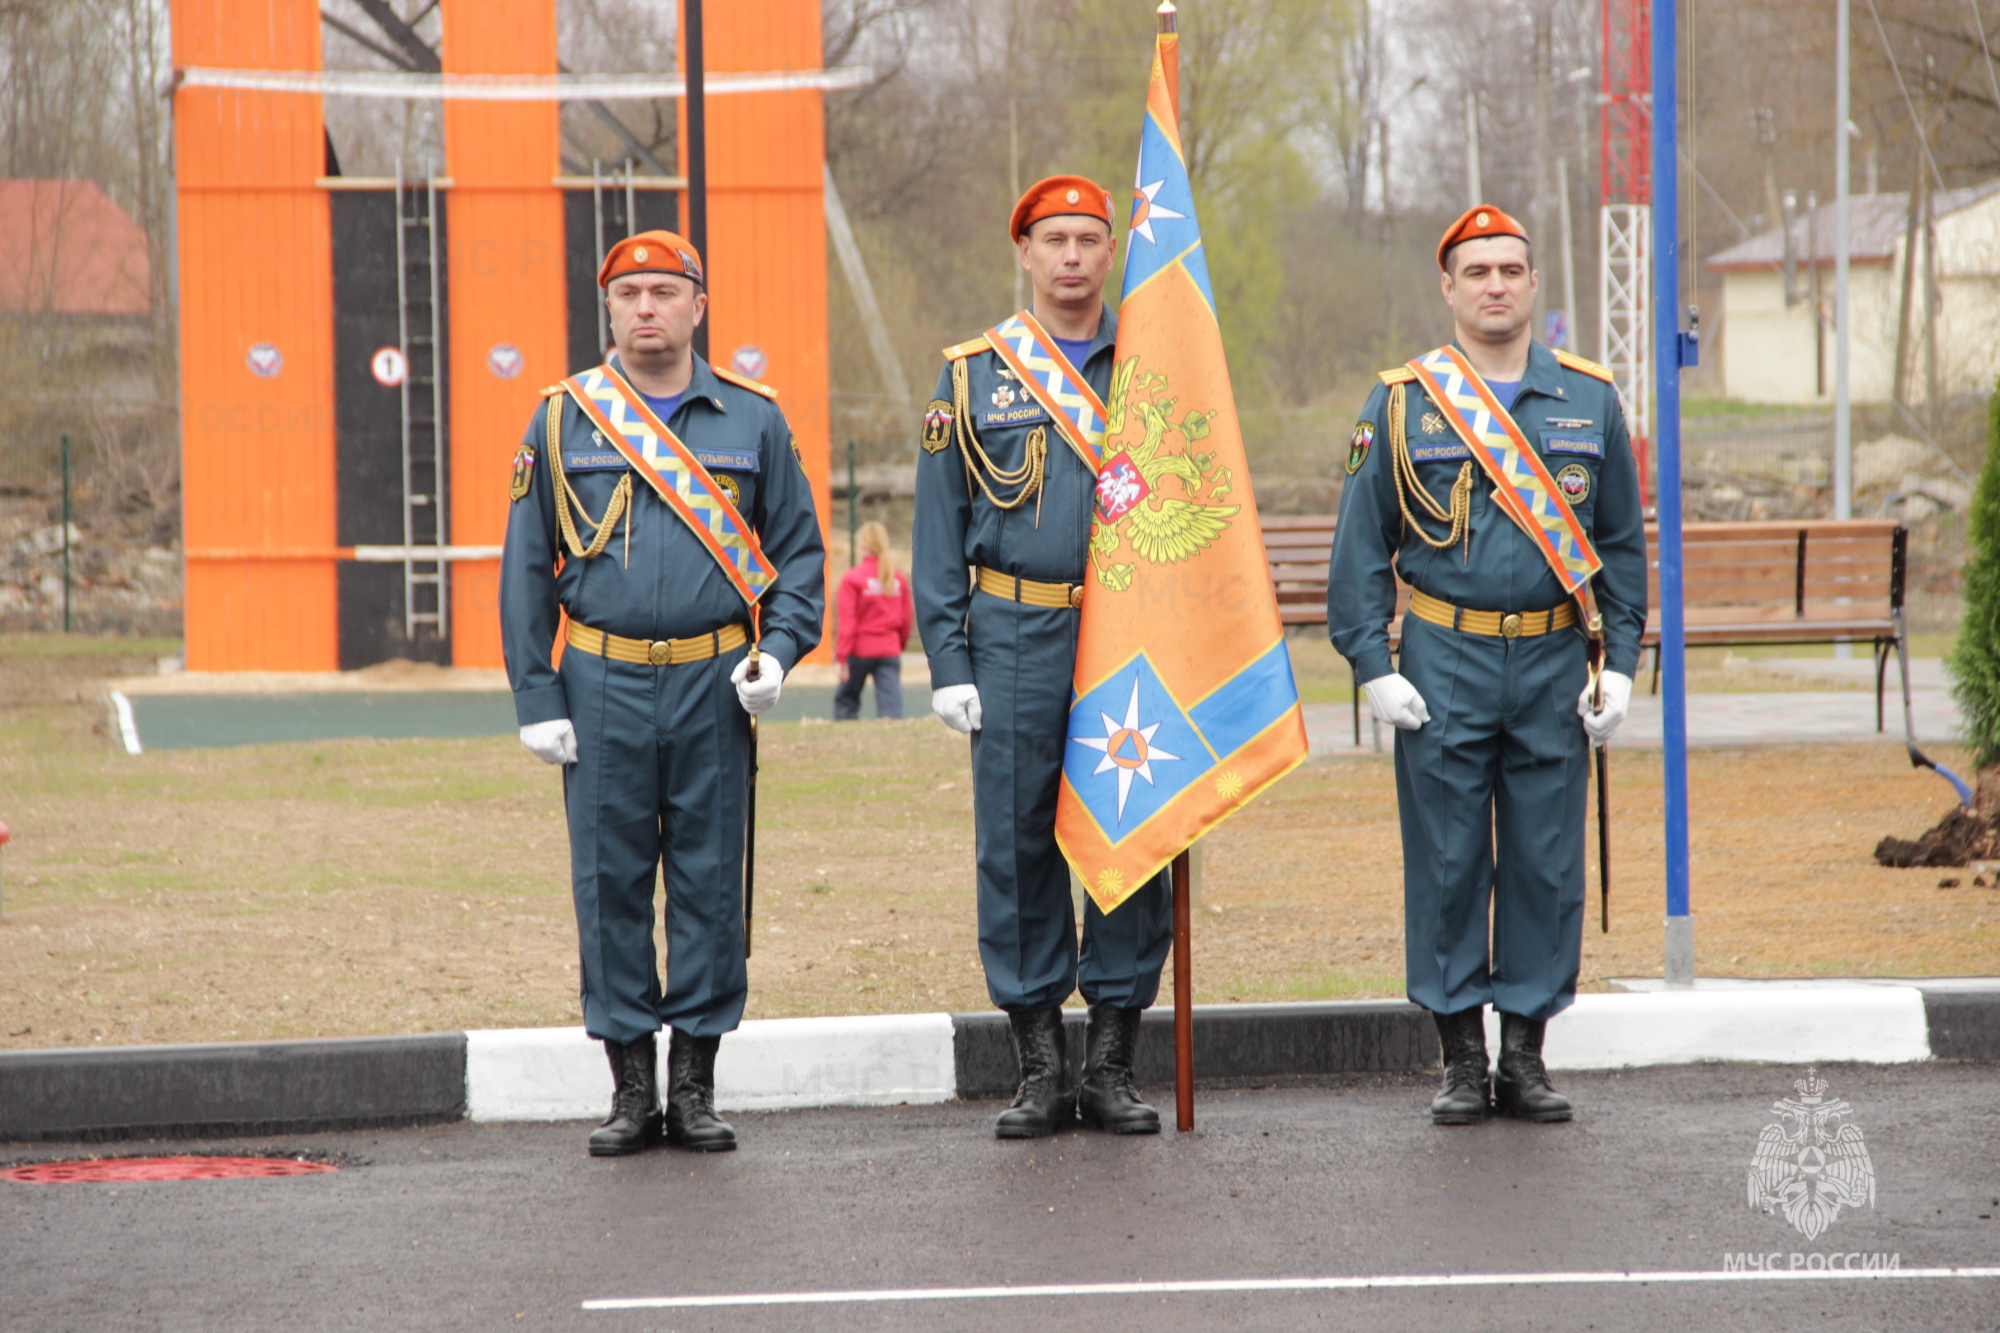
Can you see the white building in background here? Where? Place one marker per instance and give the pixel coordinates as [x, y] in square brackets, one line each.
[1772, 350]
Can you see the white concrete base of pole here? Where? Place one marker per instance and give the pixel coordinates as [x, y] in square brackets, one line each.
[1679, 969]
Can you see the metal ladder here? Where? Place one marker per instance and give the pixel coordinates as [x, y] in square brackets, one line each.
[419, 321]
[598, 179]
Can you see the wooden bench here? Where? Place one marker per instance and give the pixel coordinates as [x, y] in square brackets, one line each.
[1787, 581]
[1804, 581]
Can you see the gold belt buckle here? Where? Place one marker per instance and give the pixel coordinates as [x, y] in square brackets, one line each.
[1510, 625]
[1076, 597]
[659, 652]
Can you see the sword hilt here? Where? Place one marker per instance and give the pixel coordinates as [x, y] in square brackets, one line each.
[1594, 635]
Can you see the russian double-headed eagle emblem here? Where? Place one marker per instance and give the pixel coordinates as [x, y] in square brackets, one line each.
[1807, 1166]
[1158, 500]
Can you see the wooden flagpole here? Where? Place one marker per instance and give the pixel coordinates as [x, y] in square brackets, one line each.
[1183, 998]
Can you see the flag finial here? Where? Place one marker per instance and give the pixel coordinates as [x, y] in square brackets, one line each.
[1169, 16]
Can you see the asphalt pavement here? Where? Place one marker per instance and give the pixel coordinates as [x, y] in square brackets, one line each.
[471, 1226]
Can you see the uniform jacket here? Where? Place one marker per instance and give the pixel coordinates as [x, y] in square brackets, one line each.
[1573, 420]
[672, 587]
[872, 621]
[957, 527]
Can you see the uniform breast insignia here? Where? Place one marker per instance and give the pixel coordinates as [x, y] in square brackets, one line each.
[524, 473]
[1160, 504]
[1574, 483]
[1003, 395]
[937, 425]
[729, 487]
[1358, 447]
[1588, 445]
[1568, 423]
[1023, 412]
[1435, 424]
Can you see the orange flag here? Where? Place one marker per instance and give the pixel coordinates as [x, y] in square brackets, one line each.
[1184, 703]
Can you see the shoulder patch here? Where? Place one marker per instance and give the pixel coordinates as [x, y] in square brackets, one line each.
[937, 425]
[972, 348]
[523, 478]
[1359, 445]
[1590, 368]
[744, 382]
[1400, 375]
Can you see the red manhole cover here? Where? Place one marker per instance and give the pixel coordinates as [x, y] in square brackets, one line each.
[117, 1169]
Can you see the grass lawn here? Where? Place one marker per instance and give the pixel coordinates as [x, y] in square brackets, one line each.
[359, 886]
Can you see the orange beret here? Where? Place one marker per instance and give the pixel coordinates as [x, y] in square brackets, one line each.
[651, 252]
[1060, 196]
[1476, 224]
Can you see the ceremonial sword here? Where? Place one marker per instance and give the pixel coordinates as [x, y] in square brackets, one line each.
[1595, 639]
[750, 823]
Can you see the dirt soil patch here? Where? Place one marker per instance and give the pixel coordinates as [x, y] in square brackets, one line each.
[363, 887]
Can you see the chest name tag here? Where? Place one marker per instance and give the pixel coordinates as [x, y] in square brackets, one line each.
[1012, 416]
[592, 460]
[743, 460]
[1573, 444]
[1433, 451]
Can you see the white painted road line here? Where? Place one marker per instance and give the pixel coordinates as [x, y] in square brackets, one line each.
[1228, 1285]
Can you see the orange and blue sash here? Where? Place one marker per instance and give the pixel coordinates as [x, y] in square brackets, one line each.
[1057, 385]
[674, 473]
[1522, 486]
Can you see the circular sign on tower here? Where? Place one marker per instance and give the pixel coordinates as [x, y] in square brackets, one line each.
[389, 366]
[265, 360]
[750, 360]
[504, 360]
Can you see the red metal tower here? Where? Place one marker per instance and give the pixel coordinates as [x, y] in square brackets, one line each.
[1625, 185]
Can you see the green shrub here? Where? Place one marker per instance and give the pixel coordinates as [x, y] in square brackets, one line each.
[1975, 661]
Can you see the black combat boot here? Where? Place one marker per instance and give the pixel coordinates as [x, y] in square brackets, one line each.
[1520, 1080]
[1462, 1042]
[634, 1125]
[1044, 1102]
[1107, 1099]
[691, 1119]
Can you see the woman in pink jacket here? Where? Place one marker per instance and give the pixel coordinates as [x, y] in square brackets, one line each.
[874, 620]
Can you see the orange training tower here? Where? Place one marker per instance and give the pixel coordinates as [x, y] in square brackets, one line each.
[282, 286]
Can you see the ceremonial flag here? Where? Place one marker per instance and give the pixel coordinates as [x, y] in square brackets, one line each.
[1184, 705]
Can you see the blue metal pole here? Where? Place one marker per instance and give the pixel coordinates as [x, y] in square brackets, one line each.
[1672, 351]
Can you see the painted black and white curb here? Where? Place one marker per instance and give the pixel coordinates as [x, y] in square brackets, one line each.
[781, 1064]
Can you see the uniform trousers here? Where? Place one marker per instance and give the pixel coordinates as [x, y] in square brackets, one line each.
[1023, 658]
[1491, 793]
[661, 779]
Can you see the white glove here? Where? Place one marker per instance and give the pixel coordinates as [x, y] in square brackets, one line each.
[1394, 700]
[1617, 698]
[758, 695]
[551, 742]
[957, 706]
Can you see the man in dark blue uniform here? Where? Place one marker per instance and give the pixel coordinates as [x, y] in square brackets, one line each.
[653, 739]
[1005, 483]
[1492, 763]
